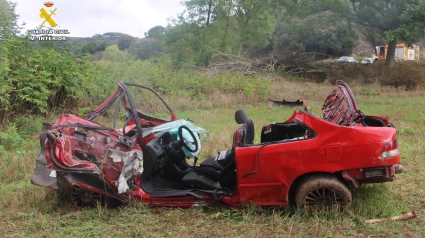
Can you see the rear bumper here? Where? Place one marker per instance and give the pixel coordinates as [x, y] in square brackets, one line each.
[372, 175]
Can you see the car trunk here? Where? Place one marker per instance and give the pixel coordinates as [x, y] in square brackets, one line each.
[340, 108]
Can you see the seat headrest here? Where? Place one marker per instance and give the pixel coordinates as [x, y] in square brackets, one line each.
[240, 116]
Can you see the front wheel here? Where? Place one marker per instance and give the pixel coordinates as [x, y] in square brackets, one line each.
[323, 192]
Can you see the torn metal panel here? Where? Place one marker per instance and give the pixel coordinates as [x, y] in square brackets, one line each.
[132, 165]
[41, 174]
[273, 103]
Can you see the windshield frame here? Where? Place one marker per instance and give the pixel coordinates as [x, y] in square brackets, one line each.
[124, 96]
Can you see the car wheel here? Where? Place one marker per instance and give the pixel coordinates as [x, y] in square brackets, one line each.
[84, 198]
[323, 192]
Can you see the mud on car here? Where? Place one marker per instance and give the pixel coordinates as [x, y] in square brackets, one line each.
[306, 160]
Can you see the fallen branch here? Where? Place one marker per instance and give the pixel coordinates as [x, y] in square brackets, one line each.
[403, 217]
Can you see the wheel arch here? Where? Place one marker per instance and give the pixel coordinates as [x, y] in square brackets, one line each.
[299, 179]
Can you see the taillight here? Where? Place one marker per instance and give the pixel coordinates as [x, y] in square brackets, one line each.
[390, 150]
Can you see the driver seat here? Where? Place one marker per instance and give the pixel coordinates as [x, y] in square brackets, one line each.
[221, 168]
[207, 176]
[247, 133]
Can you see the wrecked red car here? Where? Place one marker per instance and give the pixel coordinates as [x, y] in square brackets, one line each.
[305, 160]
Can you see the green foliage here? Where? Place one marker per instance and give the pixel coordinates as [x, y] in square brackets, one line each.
[395, 20]
[29, 125]
[93, 47]
[209, 28]
[256, 22]
[307, 36]
[368, 92]
[156, 31]
[37, 78]
[183, 45]
[11, 138]
[83, 111]
[146, 48]
[414, 21]
[8, 20]
[124, 42]
[113, 54]
[160, 75]
[313, 26]
[336, 41]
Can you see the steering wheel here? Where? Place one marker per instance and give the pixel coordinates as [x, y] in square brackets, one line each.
[184, 142]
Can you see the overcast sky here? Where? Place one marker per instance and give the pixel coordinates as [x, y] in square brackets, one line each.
[87, 18]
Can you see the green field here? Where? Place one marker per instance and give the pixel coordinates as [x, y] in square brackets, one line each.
[27, 210]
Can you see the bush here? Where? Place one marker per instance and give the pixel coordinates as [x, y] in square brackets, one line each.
[409, 74]
[11, 138]
[38, 78]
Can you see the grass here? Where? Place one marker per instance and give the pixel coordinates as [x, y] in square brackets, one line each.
[27, 210]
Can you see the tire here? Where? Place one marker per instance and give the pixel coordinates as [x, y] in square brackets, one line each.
[323, 192]
[73, 194]
[84, 198]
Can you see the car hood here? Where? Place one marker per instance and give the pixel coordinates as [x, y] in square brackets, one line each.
[340, 106]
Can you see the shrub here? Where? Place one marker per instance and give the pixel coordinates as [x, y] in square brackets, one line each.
[11, 138]
[409, 74]
[38, 78]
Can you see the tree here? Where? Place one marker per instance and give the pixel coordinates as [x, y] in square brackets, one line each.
[124, 42]
[8, 20]
[114, 54]
[200, 11]
[7, 31]
[256, 21]
[93, 47]
[208, 28]
[313, 26]
[306, 36]
[146, 48]
[156, 31]
[394, 19]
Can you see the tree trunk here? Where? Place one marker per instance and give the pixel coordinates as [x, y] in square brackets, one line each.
[389, 61]
[209, 12]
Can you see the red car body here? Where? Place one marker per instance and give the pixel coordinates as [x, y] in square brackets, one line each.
[88, 162]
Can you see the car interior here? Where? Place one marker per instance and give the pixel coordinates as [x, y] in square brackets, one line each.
[167, 173]
[166, 168]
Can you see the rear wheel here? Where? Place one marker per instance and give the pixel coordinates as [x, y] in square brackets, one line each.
[323, 192]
